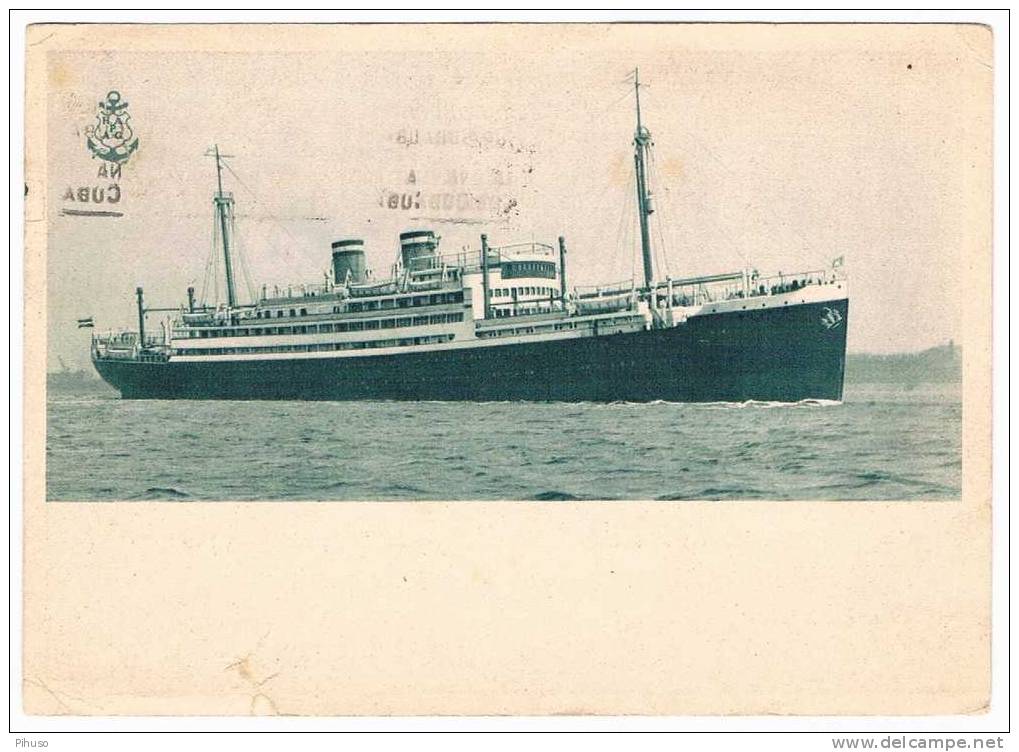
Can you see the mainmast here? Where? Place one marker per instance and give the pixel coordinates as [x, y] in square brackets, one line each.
[224, 203]
[642, 147]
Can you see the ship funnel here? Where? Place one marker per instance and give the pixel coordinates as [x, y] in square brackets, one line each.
[417, 249]
[348, 257]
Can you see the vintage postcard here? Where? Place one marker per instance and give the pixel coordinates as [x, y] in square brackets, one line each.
[656, 358]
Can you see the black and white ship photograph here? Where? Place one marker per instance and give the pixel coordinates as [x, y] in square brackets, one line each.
[512, 371]
[676, 266]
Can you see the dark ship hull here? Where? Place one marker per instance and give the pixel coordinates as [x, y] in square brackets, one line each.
[775, 354]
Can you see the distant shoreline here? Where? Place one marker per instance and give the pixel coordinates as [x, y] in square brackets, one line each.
[937, 365]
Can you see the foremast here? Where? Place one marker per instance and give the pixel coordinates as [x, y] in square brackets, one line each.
[224, 203]
[642, 144]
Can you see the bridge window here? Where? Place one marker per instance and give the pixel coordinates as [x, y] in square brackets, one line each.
[516, 269]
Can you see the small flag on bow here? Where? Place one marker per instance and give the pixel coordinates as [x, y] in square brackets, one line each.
[837, 263]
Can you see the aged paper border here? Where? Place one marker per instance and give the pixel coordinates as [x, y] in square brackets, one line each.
[504, 608]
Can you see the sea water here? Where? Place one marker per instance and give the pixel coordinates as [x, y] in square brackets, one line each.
[883, 441]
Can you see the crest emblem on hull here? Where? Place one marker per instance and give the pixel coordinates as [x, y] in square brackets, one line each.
[111, 138]
[831, 318]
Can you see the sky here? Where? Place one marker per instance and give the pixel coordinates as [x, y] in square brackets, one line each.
[780, 148]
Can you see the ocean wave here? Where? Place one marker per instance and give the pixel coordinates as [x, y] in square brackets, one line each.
[555, 496]
[157, 492]
[402, 489]
[810, 402]
[712, 493]
[331, 486]
[556, 460]
[873, 479]
[66, 400]
[765, 404]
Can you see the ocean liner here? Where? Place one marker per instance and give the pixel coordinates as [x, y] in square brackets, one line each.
[496, 323]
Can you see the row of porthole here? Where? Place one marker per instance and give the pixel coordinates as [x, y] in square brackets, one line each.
[765, 305]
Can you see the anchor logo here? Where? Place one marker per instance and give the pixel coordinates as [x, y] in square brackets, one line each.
[831, 318]
[111, 138]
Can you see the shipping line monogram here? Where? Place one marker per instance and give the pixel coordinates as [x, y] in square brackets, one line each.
[110, 139]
